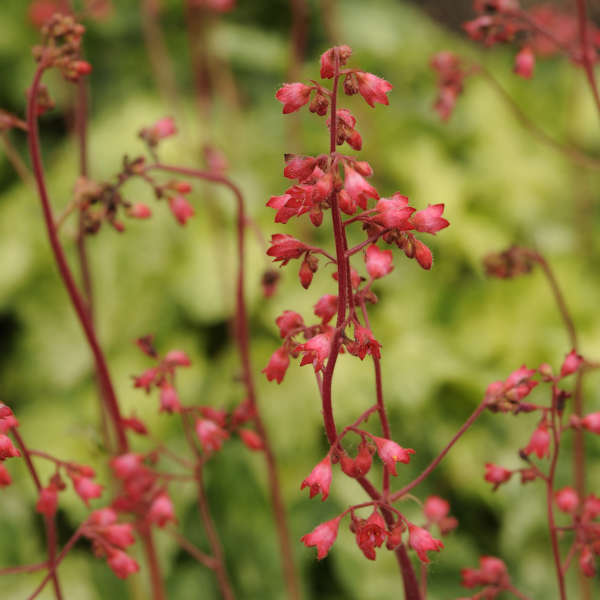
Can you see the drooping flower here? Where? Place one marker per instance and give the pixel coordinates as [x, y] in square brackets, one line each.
[326, 307]
[146, 380]
[5, 479]
[316, 350]
[277, 365]
[394, 212]
[496, 474]
[121, 563]
[126, 465]
[372, 88]
[539, 442]
[567, 499]
[429, 220]
[328, 60]
[118, 534]
[285, 247]
[289, 321]
[359, 466]
[358, 188]
[421, 541]
[169, 400]
[391, 453]
[47, 501]
[436, 508]
[177, 358]
[251, 439]
[161, 510]
[591, 422]
[293, 96]
[7, 449]
[378, 262]
[371, 534]
[525, 62]
[86, 488]
[319, 479]
[571, 363]
[182, 210]
[299, 167]
[211, 436]
[140, 211]
[364, 343]
[587, 562]
[323, 536]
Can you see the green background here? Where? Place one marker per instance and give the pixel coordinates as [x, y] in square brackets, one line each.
[445, 334]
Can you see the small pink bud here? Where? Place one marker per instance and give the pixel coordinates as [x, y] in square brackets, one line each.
[496, 474]
[82, 67]
[119, 534]
[539, 442]
[587, 562]
[567, 499]
[47, 501]
[7, 449]
[181, 209]
[391, 453]
[177, 358]
[121, 563]
[423, 255]
[571, 363]
[5, 479]
[126, 465]
[525, 63]
[140, 211]
[164, 127]
[251, 439]
[211, 436]
[169, 400]
[379, 262]
[288, 322]
[591, 422]
[277, 366]
[86, 488]
[436, 508]
[161, 511]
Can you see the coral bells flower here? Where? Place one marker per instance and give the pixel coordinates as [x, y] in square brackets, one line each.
[285, 247]
[492, 571]
[319, 479]
[316, 350]
[567, 499]
[164, 128]
[251, 439]
[322, 537]
[177, 358]
[211, 436]
[161, 510]
[429, 220]
[293, 96]
[119, 534]
[436, 508]
[587, 563]
[391, 453]
[571, 363]
[525, 63]
[289, 322]
[394, 212]
[140, 211]
[86, 488]
[7, 419]
[169, 400]
[379, 262]
[182, 210]
[539, 442]
[277, 366]
[146, 380]
[126, 465]
[326, 308]
[591, 422]
[7, 449]
[364, 343]
[370, 534]
[372, 88]
[5, 479]
[357, 187]
[47, 501]
[496, 474]
[421, 541]
[121, 563]
[328, 60]
[359, 466]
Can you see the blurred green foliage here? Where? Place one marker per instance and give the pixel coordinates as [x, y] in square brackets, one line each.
[445, 334]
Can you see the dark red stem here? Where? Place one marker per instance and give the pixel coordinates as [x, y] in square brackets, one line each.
[586, 59]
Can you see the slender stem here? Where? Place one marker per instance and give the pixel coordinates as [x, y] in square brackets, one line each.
[436, 461]
[571, 152]
[213, 539]
[550, 499]
[23, 569]
[52, 572]
[49, 523]
[586, 59]
[158, 589]
[515, 592]
[63, 267]
[243, 341]
[192, 550]
[14, 158]
[559, 298]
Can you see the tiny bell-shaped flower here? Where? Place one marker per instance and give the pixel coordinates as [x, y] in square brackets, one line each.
[251, 439]
[372, 88]
[293, 96]
[169, 400]
[121, 563]
[571, 364]
[277, 365]
[328, 60]
[539, 442]
[326, 308]
[359, 466]
[567, 499]
[47, 501]
[5, 479]
[211, 436]
[86, 488]
[378, 262]
[139, 211]
[119, 534]
[423, 255]
[587, 562]
[525, 63]
[177, 358]
[496, 474]
[323, 536]
[7, 449]
[319, 479]
[288, 322]
[371, 534]
[591, 422]
[182, 210]
[161, 510]
[391, 453]
[435, 509]
[429, 220]
[316, 350]
[421, 541]
[164, 128]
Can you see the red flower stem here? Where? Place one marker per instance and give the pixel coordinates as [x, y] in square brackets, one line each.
[14, 158]
[104, 379]
[515, 592]
[423, 575]
[243, 341]
[49, 523]
[201, 557]
[213, 539]
[550, 496]
[586, 59]
[23, 569]
[52, 572]
[63, 267]
[368, 241]
[436, 461]
[573, 153]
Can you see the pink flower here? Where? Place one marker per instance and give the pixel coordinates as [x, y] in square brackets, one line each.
[327, 307]
[277, 365]
[121, 563]
[103, 517]
[5, 479]
[328, 60]
[539, 442]
[391, 453]
[571, 363]
[421, 541]
[372, 88]
[364, 343]
[316, 350]
[251, 439]
[7, 418]
[379, 262]
[293, 96]
[591, 422]
[211, 436]
[496, 474]
[86, 488]
[319, 479]
[429, 220]
[146, 379]
[322, 537]
[177, 358]
[164, 127]
[591, 507]
[299, 167]
[47, 501]
[7, 449]
[359, 466]
[285, 247]
[423, 255]
[525, 63]
[567, 499]
[370, 534]
[161, 511]
[587, 562]
[306, 273]
[358, 188]
[140, 211]
[288, 322]
[394, 212]
[119, 534]
[126, 465]
[436, 508]
[169, 400]
[182, 210]
[492, 572]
